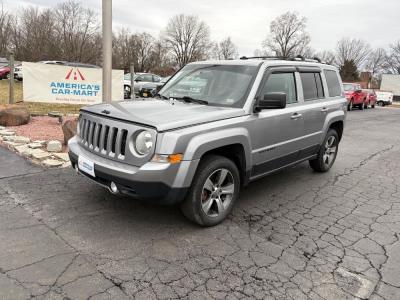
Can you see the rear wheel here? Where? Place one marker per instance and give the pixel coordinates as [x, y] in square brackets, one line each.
[361, 106]
[327, 153]
[373, 105]
[213, 192]
[381, 104]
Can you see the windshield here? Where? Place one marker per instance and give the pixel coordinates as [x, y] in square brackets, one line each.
[219, 85]
[349, 87]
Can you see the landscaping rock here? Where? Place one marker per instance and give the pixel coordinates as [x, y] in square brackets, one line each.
[12, 144]
[7, 132]
[22, 149]
[52, 163]
[17, 139]
[40, 154]
[54, 146]
[14, 116]
[39, 142]
[62, 156]
[35, 145]
[69, 129]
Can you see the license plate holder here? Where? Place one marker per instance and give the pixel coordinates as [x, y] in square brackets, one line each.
[86, 166]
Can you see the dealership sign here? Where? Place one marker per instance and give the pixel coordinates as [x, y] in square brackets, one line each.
[63, 84]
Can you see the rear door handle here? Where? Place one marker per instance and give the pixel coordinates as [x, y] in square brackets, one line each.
[296, 116]
[324, 109]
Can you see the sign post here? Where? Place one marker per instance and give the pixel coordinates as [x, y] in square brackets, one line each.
[132, 82]
[11, 82]
[107, 50]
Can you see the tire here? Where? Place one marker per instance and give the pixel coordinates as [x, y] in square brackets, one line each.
[205, 203]
[373, 105]
[366, 105]
[350, 105]
[361, 106]
[381, 104]
[323, 163]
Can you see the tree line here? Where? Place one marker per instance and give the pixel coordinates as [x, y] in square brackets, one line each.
[70, 31]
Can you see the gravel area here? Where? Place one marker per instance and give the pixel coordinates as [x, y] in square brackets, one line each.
[41, 128]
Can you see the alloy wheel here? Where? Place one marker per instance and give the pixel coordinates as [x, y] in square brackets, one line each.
[217, 193]
[330, 151]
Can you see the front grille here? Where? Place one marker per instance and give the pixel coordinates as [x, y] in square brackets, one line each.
[105, 139]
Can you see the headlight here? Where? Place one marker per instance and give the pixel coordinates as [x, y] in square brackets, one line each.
[143, 143]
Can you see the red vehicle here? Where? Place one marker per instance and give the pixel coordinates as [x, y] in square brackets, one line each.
[371, 98]
[355, 96]
[4, 71]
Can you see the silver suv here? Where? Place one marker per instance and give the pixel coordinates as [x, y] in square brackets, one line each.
[213, 128]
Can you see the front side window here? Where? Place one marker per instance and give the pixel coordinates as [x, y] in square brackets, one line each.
[219, 85]
[281, 83]
[312, 86]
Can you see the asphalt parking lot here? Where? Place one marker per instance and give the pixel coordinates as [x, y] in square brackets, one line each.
[293, 235]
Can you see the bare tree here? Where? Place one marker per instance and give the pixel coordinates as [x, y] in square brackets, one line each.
[144, 47]
[188, 38]
[77, 30]
[226, 49]
[353, 50]
[288, 36]
[5, 31]
[393, 60]
[326, 56]
[33, 35]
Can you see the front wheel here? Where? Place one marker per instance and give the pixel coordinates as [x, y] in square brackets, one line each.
[327, 153]
[350, 106]
[213, 192]
[381, 104]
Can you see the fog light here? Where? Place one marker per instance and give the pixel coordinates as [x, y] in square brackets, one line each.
[113, 188]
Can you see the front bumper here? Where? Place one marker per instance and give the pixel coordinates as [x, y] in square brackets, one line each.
[156, 182]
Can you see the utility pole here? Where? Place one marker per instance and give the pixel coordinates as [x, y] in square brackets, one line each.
[107, 50]
[11, 82]
[132, 82]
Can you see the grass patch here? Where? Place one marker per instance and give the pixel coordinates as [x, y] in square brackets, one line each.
[34, 107]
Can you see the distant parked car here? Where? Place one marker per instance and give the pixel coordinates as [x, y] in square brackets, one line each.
[4, 71]
[18, 73]
[151, 89]
[371, 98]
[355, 96]
[140, 79]
[384, 98]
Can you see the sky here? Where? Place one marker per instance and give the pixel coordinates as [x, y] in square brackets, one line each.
[247, 22]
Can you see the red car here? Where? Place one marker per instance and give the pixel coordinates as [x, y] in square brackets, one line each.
[371, 98]
[4, 71]
[355, 96]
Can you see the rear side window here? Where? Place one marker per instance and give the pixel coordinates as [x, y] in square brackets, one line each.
[333, 83]
[312, 86]
[282, 83]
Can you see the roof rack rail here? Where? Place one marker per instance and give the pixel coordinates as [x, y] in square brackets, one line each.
[298, 57]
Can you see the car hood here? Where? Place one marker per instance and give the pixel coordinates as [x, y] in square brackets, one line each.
[164, 114]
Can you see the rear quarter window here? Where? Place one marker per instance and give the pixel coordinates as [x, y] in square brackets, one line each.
[332, 80]
[312, 86]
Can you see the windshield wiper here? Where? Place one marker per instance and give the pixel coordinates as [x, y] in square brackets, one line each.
[190, 99]
[161, 96]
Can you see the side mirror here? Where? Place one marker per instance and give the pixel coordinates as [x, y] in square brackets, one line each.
[358, 91]
[272, 100]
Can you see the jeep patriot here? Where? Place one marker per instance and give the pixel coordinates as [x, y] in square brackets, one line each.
[214, 127]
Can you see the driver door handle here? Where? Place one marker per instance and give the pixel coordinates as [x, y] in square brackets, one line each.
[296, 116]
